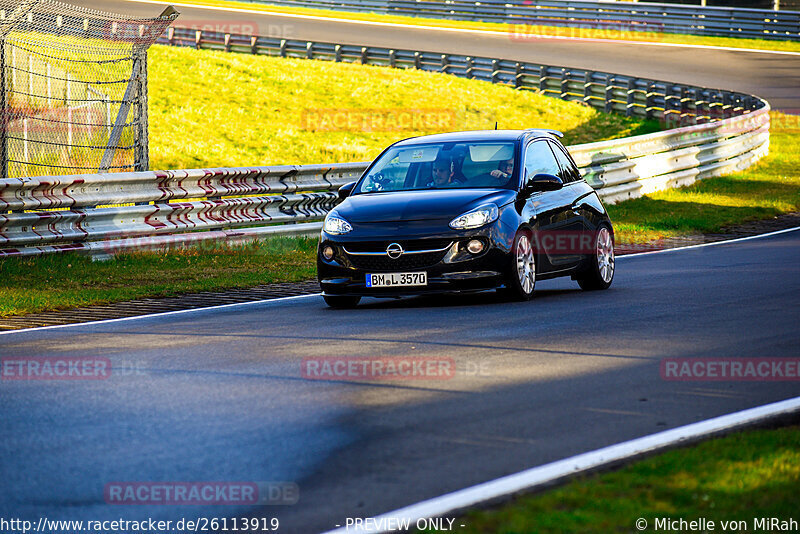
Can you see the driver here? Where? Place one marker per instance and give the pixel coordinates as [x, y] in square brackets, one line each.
[504, 170]
[442, 172]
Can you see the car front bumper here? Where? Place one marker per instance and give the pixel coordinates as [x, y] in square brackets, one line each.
[451, 269]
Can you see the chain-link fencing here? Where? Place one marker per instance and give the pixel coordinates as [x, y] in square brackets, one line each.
[73, 88]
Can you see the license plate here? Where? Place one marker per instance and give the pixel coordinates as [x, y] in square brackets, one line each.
[397, 279]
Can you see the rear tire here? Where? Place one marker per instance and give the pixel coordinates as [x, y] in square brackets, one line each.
[600, 272]
[341, 302]
[522, 273]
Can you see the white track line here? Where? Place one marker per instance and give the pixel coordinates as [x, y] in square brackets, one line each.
[713, 243]
[526, 37]
[531, 478]
[160, 314]
[282, 299]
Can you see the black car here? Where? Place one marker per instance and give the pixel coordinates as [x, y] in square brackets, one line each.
[465, 211]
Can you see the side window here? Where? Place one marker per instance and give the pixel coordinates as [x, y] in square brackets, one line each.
[539, 159]
[569, 172]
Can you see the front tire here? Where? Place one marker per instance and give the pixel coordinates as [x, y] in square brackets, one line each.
[600, 272]
[341, 302]
[522, 276]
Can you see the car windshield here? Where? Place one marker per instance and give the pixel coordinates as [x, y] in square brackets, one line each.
[442, 166]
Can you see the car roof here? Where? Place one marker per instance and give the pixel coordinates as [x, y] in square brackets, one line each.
[479, 135]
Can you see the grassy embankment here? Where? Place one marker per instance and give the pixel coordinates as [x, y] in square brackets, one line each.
[246, 110]
[740, 477]
[521, 32]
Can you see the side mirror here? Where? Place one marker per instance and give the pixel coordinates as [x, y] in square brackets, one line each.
[345, 190]
[544, 182]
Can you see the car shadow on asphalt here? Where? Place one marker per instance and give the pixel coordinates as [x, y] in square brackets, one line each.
[447, 300]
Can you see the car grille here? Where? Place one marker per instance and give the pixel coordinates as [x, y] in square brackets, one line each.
[408, 245]
[406, 262]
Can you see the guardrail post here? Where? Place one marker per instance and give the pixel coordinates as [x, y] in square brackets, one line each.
[649, 101]
[685, 118]
[672, 106]
[609, 96]
[364, 56]
[517, 75]
[495, 70]
[565, 74]
[542, 78]
[701, 107]
[282, 50]
[417, 60]
[587, 87]
[470, 64]
[253, 45]
[198, 37]
[309, 50]
[630, 102]
[727, 106]
[337, 53]
[171, 36]
[227, 42]
[445, 63]
[392, 58]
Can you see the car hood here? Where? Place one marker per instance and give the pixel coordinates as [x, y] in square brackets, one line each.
[429, 204]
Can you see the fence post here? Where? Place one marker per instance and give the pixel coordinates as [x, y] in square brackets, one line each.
[4, 104]
[141, 139]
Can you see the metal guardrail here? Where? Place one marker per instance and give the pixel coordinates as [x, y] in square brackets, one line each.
[674, 104]
[619, 16]
[239, 204]
[719, 132]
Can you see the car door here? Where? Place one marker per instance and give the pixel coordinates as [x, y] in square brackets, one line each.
[574, 225]
[548, 210]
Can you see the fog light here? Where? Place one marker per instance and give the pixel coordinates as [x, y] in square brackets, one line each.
[327, 252]
[475, 246]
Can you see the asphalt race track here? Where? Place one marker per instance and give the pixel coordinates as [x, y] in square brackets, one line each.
[775, 77]
[219, 395]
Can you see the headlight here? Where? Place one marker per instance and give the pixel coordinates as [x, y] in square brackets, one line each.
[336, 225]
[475, 218]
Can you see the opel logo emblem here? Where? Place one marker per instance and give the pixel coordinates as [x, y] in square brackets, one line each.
[394, 251]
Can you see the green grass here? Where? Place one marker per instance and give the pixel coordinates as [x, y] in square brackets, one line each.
[63, 281]
[739, 477]
[68, 280]
[515, 31]
[243, 110]
[254, 120]
[770, 188]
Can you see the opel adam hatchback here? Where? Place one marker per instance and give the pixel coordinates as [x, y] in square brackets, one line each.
[465, 211]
